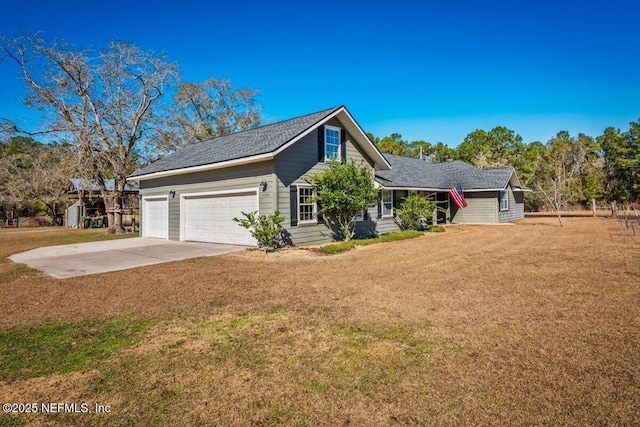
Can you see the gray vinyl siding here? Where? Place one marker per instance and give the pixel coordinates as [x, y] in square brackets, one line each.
[516, 207]
[291, 166]
[233, 178]
[482, 208]
[386, 225]
[369, 226]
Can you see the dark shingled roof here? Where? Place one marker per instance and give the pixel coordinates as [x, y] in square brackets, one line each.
[248, 143]
[410, 172]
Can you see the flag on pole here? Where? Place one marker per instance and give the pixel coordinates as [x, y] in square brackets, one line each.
[458, 196]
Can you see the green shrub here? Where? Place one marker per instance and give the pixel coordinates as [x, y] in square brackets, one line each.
[335, 248]
[266, 229]
[413, 211]
[339, 247]
[400, 235]
[436, 229]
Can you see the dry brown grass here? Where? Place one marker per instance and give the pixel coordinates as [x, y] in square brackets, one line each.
[530, 324]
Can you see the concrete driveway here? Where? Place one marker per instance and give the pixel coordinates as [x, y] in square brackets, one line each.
[112, 255]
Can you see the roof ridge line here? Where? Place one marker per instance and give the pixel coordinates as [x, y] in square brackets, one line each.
[270, 124]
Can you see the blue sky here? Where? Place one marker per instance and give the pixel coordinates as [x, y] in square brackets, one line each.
[430, 70]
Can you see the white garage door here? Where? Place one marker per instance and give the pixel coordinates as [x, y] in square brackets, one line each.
[155, 217]
[209, 218]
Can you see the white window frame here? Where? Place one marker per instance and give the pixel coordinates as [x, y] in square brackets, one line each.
[314, 205]
[504, 200]
[389, 214]
[339, 131]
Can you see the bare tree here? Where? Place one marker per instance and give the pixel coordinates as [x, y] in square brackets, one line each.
[39, 175]
[207, 110]
[559, 174]
[107, 103]
[13, 186]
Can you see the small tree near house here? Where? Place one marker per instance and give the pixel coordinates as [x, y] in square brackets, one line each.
[415, 211]
[343, 191]
[266, 229]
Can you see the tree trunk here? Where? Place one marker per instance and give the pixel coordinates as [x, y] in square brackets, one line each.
[116, 201]
[559, 217]
[115, 216]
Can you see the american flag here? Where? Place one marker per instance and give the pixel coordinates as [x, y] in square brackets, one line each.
[458, 196]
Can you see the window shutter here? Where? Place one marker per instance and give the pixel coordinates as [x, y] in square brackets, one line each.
[365, 215]
[379, 204]
[293, 201]
[343, 145]
[321, 143]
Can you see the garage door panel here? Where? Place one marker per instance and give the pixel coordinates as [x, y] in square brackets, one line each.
[155, 218]
[209, 218]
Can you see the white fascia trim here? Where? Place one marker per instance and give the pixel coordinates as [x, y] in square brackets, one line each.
[184, 196]
[517, 180]
[326, 119]
[366, 138]
[228, 163]
[411, 188]
[443, 190]
[483, 190]
[307, 132]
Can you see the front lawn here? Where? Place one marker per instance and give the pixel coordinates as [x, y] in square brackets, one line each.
[530, 324]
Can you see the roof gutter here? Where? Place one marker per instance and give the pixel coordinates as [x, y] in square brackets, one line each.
[444, 190]
[475, 190]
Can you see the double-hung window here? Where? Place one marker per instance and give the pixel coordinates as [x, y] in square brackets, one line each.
[504, 200]
[307, 211]
[331, 143]
[387, 203]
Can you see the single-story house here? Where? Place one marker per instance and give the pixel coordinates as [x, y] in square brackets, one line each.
[194, 193]
[492, 195]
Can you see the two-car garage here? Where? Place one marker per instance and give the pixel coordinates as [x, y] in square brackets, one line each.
[204, 217]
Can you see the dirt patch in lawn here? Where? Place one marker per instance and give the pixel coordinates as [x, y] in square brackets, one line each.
[531, 324]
